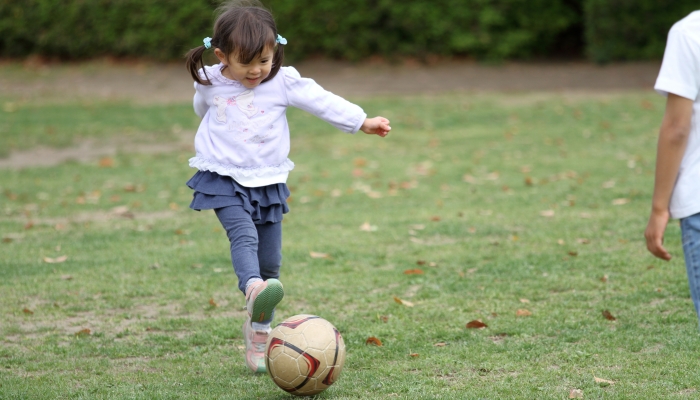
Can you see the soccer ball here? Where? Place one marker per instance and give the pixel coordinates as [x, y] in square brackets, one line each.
[304, 354]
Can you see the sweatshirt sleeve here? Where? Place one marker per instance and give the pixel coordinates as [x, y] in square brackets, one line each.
[307, 95]
[199, 102]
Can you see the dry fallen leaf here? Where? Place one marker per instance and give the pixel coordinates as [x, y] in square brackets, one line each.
[28, 311]
[601, 380]
[523, 313]
[524, 300]
[56, 260]
[373, 340]
[414, 355]
[83, 332]
[66, 277]
[440, 344]
[547, 213]
[366, 227]
[435, 218]
[604, 278]
[619, 202]
[608, 315]
[314, 254]
[106, 162]
[384, 318]
[213, 303]
[414, 271]
[576, 394]
[403, 302]
[476, 324]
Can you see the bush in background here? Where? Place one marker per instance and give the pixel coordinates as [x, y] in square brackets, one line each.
[631, 29]
[349, 29]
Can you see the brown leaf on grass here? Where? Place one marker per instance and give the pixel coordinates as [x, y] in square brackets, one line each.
[476, 324]
[66, 277]
[83, 332]
[106, 162]
[528, 181]
[421, 262]
[524, 300]
[576, 394]
[604, 381]
[620, 202]
[315, 254]
[583, 240]
[373, 341]
[435, 218]
[440, 344]
[366, 227]
[403, 302]
[414, 271]
[27, 311]
[384, 318]
[523, 313]
[29, 225]
[213, 303]
[608, 315]
[414, 355]
[56, 260]
[604, 278]
[573, 253]
[547, 213]
[360, 162]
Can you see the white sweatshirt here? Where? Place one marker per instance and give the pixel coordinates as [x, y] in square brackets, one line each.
[244, 132]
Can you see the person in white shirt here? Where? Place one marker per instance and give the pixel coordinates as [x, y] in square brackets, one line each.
[677, 181]
[242, 147]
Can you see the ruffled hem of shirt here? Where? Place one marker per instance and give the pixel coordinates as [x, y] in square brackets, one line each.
[265, 204]
[234, 171]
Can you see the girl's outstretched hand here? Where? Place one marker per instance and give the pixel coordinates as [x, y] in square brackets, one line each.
[376, 126]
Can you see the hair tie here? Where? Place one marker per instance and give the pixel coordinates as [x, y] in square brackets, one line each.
[207, 42]
[281, 40]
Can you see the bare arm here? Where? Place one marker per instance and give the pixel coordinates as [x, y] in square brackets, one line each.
[673, 138]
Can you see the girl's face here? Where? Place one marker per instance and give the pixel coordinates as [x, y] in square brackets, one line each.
[251, 74]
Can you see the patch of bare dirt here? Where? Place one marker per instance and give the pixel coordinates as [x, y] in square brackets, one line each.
[148, 83]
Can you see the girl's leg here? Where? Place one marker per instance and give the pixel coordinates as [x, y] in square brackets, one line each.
[270, 250]
[243, 236]
[690, 228]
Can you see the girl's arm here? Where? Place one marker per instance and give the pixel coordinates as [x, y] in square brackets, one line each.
[673, 138]
[199, 103]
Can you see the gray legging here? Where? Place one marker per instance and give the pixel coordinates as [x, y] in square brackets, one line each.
[256, 250]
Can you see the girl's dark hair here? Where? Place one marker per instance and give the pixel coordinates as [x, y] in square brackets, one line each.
[243, 29]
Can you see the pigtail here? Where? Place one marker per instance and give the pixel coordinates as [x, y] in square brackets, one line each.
[194, 61]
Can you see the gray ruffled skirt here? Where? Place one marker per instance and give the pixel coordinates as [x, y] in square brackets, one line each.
[265, 204]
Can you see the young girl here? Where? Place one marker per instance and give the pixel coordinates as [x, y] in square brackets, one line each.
[242, 146]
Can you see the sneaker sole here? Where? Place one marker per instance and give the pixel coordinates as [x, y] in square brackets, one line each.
[267, 300]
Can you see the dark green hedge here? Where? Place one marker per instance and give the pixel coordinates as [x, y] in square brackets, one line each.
[74, 29]
[349, 29]
[485, 29]
[631, 29]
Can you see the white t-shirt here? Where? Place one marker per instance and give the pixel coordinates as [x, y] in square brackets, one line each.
[244, 132]
[680, 75]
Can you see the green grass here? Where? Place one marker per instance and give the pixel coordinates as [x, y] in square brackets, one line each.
[458, 190]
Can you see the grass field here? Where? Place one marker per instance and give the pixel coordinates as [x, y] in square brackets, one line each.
[523, 211]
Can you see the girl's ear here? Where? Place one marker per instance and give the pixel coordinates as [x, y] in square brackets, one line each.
[221, 56]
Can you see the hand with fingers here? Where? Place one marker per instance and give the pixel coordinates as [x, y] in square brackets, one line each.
[376, 126]
[654, 234]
